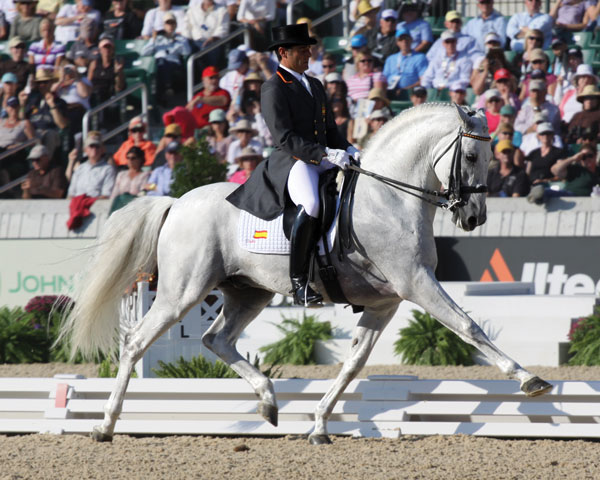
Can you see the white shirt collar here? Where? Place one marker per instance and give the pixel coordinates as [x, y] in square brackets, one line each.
[296, 75]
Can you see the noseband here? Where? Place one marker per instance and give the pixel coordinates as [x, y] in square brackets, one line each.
[453, 194]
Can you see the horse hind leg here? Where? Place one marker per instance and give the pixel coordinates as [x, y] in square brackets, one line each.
[240, 307]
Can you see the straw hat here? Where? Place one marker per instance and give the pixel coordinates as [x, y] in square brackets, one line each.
[588, 91]
[365, 7]
[249, 153]
[379, 94]
[243, 125]
[44, 75]
[253, 77]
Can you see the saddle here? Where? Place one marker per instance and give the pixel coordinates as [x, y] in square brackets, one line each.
[328, 195]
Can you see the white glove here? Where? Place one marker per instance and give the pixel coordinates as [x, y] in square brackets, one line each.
[354, 153]
[339, 158]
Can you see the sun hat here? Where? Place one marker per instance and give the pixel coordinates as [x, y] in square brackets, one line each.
[15, 41]
[173, 147]
[448, 35]
[93, 138]
[504, 145]
[364, 7]
[492, 93]
[537, 54]
[173, 129]
[169, 16]
[44, 75]
[491, 37]
[505, 126]
[236, 59]
[537, 85]
[253, 77]
[358, 41]
[458, 86]
[584, 70]
[210, 71]
[37, 152]
[502, 74]
[402, 31]
[545, 127]
[9, 77]
[452, 15]
[379, 114]
[389, 13]
[588, 91]
[379, 94]
[249, 153]
[243, 125]
[217, 115]
[334, 77]
[507, 110]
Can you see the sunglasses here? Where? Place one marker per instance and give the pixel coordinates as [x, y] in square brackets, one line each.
[510, 134]
[132, 157]
[537, 61]
[494, 100]
[170, 135]
[366, 60]
[95, 145]
[136, 130]
[21, 46]
[537, 39]
[329, 65]
[589, 156]
[389, 19]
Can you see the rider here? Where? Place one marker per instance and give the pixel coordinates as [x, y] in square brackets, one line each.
[307, 143]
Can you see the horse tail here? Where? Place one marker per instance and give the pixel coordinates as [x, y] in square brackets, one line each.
[127, 246]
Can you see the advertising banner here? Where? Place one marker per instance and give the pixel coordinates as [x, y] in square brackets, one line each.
[556, 265]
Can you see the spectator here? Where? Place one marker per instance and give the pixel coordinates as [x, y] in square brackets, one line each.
[377, 118]
[506, 84]
[205, 23]
[121, 22]
[366, 23]
[132, 180]
[357, 44]
[17, 64]
[566, 68]
[488, 21]
[247, 161]
[154, 19]
[465, 44]
[9, 9]
[85, 48]
[170, 51]
[569, 105]
[520, 23]
[540, 160]
[238, 66]
[4, 26]
[404, 69]
[137, 130]
[75, 90]
[570, 16]
[172, 133]
[257, 14]
[13, 131]
[485, 66]
[46, 111]
[458, 93]
[530, 141]
[506, 131]
[208, 99]
[182, 117]
[536, 102]
[44, 180]
[336, 87]
[589, 117]
[260, 62]
[26, 24]
[47, 52]
[159, 183]
[329, 65]
[106, 72]
[447, 69]
[341, 114]
[48, 8]
[419, 29]
[559, 64]
[380, 100]
[539, 62]
[360, 84]
[418, 95]
[70, 17]
[94, 178]
[218, 136]
[245, 137]
[9, 90]
[493, 104]
[385, 44]
[507, 180]
[579, 173]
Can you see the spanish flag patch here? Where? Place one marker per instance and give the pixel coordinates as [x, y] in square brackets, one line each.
[260, 234]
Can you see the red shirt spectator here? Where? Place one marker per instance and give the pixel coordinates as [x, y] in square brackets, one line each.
[208, 99]
[137, 129]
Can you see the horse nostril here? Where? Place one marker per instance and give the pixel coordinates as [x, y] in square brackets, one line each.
[472, 221]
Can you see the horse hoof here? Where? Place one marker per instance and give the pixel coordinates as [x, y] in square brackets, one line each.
[320, 439]
[100, 436]
[268, 412]
[535, 387]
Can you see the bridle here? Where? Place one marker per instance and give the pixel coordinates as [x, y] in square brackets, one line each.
[455, 191]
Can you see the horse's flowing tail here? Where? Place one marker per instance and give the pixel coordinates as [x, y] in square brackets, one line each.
[126, 246]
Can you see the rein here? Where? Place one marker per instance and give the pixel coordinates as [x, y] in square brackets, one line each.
[453, 194]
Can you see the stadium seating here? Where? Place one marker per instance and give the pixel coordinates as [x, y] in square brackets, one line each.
[336, 45]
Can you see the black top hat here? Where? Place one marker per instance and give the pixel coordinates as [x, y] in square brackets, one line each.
[290, 35]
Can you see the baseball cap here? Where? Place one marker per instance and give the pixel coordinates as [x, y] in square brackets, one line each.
[492, 37]
[37, 152]
[169, 16]
[538, 74]
[540, 117]
[16, 40]
[458, 86]
[210, 71]
[389, 13]
[333, 77]
[216, 115]
[545, 127]
[173, 129]
[358, 41]
[402, 31]
[236, 59]
[492, 93]
[419, 91]
[93, 138]
[507, 110]
[379, 114]
[504, 145]
[575, 50]
[452, 15]
[87, 3]
[173, 147]
[106, 38]
[502, 74]
[447, 35]
[9, 77]
[537, 54]
[556, 41]
[537, 85]
[12, 102]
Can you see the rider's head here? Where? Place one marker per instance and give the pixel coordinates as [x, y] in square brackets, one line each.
[291, 44]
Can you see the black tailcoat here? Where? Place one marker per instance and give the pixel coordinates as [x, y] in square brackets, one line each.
[302, 126]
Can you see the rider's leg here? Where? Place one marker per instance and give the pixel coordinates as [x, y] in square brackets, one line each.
[303, 187]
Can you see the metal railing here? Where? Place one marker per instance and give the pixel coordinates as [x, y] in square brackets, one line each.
[191, 88]
[22, 146]
[114, 99]
[343, 9]
[12, 184]
[468, 8]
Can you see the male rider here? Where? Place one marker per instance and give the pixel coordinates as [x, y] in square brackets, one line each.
[307, 143]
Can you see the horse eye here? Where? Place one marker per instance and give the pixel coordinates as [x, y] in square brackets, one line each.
[471, 157]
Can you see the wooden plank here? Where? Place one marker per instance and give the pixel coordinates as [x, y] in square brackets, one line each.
[25, 404]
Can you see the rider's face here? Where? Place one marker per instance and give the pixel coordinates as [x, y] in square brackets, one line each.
[296, 58]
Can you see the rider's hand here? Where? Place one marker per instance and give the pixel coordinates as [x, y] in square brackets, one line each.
[339, 158]
[354, 153]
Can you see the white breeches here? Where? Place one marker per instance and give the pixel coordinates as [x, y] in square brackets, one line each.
[303, 185]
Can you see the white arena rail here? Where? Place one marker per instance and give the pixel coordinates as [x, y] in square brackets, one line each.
[381, 406]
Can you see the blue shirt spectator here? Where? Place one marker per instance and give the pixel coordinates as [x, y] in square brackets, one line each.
[159, 183]
[465, 43]
[448, 68]
[403, 69]
[420, 31]
[489, 20]
[531, 18]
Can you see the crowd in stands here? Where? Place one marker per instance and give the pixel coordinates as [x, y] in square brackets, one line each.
[540, 97]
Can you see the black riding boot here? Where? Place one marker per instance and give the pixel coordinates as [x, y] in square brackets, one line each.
[303, 239]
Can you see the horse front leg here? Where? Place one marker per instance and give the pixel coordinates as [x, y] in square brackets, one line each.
[367, 331]
[429, 294]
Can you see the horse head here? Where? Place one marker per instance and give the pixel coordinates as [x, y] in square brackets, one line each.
[464, 169]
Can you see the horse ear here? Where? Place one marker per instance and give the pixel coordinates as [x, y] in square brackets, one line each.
[464, 118]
